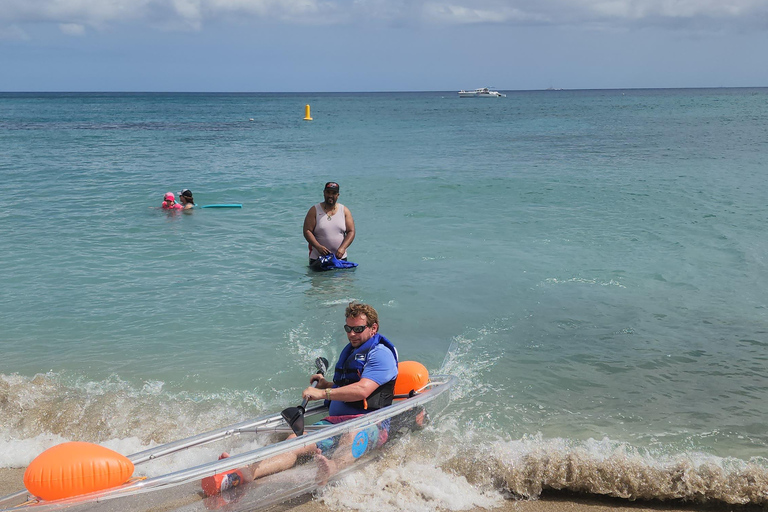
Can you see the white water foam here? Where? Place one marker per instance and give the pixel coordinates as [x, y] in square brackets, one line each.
[582, 280]
[454, 464]
[43, 411]
[409, 477]
[411, 487]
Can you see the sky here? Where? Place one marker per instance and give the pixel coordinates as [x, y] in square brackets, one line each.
[380, 45]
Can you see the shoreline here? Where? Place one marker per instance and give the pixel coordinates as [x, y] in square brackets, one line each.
[550, 501]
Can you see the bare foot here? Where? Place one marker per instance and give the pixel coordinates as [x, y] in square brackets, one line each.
[326, 468]
[246, 470]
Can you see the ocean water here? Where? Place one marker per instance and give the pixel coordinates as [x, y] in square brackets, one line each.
[591, 264]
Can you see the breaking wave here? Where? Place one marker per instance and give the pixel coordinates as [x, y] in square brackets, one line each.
[452, 465]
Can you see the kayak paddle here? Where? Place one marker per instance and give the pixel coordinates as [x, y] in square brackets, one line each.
[294, 416]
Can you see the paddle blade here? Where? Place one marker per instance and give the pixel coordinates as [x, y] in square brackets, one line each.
[294, 417]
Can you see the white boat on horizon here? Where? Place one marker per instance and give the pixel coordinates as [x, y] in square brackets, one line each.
[483, 92]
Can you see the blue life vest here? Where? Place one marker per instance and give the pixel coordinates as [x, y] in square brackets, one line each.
[330, 262]
[349, 370]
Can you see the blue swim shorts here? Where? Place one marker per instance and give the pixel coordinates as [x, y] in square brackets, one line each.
[364, 441]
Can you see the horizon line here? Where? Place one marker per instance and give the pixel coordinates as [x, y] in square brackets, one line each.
[549, 89]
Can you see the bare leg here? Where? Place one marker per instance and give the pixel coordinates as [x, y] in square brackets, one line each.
[274, 464]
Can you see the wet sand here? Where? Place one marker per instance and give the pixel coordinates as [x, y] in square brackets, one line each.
[552, 501]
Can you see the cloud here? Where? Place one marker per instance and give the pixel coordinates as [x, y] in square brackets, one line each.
[13, 33]
[194, 14]
[637, 9]
[287, 11]
[93, 13]
[596, 12]
[72, 29]
[445, 13]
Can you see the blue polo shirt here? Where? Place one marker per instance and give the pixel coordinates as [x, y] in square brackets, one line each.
[380, 368]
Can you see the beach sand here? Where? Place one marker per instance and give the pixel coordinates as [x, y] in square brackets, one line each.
[553, 501]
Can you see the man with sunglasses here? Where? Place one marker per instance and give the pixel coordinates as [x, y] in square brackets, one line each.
[328, 227]
[364, 381]
[364, 378]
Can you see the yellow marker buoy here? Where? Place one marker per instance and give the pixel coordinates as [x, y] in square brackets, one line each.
[307, 117]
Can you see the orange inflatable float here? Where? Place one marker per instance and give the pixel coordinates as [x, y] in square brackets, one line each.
[75, 468]
[411, 376]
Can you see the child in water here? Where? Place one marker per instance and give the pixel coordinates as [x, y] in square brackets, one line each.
[169, 202]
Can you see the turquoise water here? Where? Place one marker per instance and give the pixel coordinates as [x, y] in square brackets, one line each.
[591, 264]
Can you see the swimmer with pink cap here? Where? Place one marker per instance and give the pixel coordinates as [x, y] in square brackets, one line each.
[169, 202]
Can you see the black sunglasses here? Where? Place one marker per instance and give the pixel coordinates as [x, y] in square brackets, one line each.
[358, 328]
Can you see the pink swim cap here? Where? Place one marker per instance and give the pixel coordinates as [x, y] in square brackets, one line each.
[169, 196]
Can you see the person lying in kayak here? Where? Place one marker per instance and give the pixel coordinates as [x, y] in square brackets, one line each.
[363, 382]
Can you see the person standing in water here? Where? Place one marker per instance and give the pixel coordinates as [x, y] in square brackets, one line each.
[187, 201]
[329, 227]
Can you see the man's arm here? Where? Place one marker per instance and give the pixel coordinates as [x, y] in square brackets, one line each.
[381, 366]
[310, 222]
[349, 236]
[360, 390]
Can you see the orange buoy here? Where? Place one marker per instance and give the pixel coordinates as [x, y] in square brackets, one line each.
[71, 469]
[411, 376]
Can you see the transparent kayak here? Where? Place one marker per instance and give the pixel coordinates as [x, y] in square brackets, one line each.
[180, 489]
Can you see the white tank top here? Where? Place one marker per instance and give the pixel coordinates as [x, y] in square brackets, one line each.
[329, 231]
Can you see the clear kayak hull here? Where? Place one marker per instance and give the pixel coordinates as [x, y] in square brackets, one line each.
[180, 489]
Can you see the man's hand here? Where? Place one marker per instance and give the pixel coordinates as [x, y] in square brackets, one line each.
[313, 394]
[321, 382]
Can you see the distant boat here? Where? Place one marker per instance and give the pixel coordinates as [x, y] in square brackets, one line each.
[484, 92]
